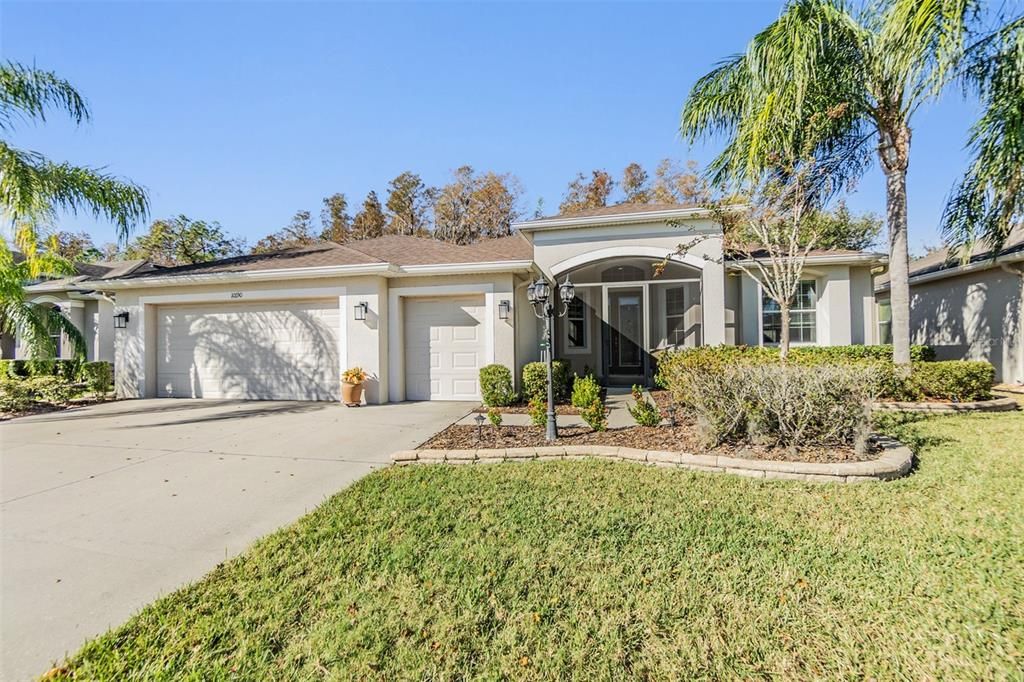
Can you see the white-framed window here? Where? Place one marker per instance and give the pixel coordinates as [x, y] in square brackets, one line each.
[577, 324]
[675, 315]
[884, 322]
[802, 316]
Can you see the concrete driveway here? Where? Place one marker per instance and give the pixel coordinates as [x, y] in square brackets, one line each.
[105, 508]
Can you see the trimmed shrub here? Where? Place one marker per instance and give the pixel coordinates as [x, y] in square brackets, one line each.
[496, 386]
[642, 411]
[98, 376]
[594, 415]
[50, 389]
[958, 380]
[538, 411]
[585, 390]
[494, 414]
[535, 381]
[14, 395]
[68, 369]
[787, 405]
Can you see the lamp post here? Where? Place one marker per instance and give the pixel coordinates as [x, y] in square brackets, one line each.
[544, 307]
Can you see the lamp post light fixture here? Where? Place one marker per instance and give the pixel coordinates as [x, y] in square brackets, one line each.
[545, 308]
[360, 310]
[121, 320]
[479, 419]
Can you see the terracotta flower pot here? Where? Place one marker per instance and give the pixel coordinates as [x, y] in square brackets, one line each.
[351, 394]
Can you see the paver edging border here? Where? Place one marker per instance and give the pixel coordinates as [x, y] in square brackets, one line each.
[993, 405]
[895, 461]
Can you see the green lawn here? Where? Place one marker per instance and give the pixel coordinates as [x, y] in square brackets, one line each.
[597, 570]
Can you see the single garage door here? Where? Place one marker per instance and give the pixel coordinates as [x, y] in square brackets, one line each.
[257, 351]
[444, 348]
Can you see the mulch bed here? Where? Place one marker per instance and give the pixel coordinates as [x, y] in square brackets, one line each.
[524, 409]
[45, 408]
[678, 438]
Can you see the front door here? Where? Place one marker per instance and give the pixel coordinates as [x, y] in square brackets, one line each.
[625, 356]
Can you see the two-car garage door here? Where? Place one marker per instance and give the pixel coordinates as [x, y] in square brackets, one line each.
[266, 351]
[288, 350]
[444, 347]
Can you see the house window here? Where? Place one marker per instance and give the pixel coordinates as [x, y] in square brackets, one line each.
[885, 322]
[576, 325]
[675, 316]
[55, 338]
[802, 317]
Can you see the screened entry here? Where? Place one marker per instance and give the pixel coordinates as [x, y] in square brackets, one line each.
[624, 310]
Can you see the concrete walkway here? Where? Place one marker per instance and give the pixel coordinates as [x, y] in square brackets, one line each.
[103, 509]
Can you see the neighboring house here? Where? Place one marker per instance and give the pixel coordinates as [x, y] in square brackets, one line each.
[968, 311]
[82, 300]
[422, 316]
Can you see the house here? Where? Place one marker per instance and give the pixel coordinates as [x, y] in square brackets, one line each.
[82, 299]
[422, 316]
[969, 310]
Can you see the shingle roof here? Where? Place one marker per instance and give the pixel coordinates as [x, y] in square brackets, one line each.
[402, 250]
[394, 249]
[942, 259]
[102, 270]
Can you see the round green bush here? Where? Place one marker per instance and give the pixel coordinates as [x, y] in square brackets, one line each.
[496, 386]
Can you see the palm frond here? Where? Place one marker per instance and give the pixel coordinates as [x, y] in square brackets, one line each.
[31, 185]
[989, 200]
[29, 92]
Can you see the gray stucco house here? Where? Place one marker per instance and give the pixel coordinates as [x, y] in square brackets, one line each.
[968, 310]
[422, 316]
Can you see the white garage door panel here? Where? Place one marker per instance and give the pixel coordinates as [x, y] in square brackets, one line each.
[261, 351]
[444, 347]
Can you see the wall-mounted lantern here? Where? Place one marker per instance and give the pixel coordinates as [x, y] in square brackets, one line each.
[360, 310]
[121, 320]
[504, 308]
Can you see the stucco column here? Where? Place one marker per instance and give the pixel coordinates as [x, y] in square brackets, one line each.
[834, 307]
[76, 315]
[713, 303]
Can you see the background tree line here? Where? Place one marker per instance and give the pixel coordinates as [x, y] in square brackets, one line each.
[470, 207]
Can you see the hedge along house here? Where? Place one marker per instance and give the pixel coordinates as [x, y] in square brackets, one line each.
[422, 316]
[82, 299]
[968, 310]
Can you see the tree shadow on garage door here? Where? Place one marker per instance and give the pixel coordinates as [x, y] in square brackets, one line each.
[227, 356]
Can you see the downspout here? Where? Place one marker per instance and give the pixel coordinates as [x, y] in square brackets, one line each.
[1019, 272]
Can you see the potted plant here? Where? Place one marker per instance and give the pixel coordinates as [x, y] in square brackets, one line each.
[352, 386]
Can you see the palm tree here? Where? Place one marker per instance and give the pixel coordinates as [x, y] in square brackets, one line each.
[33, 189]
[858, 75]
[989, 200]
[33, 325]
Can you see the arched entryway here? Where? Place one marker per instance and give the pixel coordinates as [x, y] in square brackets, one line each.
[627, 307]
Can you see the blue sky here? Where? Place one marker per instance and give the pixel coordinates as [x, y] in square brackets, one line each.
[246, 112]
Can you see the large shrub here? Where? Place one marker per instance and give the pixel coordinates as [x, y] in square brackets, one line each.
[496, 386]
[786, 405]
[67, 369]
[14, 395]
[50, 389]
[535, 381]
[951, 380]
[98, 377]
[959, 380]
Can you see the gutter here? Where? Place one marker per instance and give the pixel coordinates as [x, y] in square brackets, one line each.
[943, 273]
[320, 272]
[249, 276]
[878, 258]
